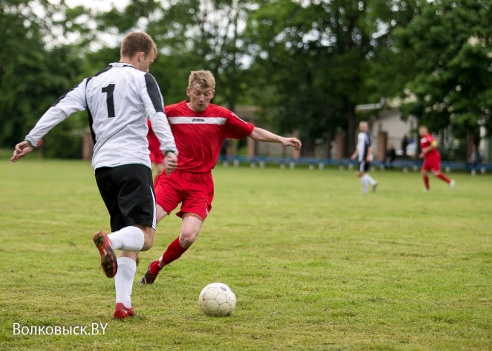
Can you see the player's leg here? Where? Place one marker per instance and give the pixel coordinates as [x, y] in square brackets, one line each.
[190, 228]
[368, 179]
[167, 190]
[440, 175]
[133, 201]
[425, 174]
[129, 197]
[425, 178]
[360, 174]
[123, 283]
[123, 237]
[435, 166]
[194, 209]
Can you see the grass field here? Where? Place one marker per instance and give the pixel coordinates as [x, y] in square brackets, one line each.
[315, 264]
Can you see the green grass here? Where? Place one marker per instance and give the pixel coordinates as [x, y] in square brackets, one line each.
[315, 264]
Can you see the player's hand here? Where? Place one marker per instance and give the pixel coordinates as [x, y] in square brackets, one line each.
[421, 155]
[294, 142]
[170, 162]
[21, 150]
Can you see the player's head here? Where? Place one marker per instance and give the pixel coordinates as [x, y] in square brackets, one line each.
[363, 126]
[200, 90]
[139, 49]
[423, 131]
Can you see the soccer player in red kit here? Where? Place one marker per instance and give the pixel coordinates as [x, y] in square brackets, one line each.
[199, 128]
[432, 158]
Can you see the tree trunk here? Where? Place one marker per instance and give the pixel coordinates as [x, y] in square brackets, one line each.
[351, 129]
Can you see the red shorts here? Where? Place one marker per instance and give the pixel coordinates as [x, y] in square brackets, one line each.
[432, 163]
[195, 192]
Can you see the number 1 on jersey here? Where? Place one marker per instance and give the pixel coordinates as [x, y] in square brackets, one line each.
[109, 99]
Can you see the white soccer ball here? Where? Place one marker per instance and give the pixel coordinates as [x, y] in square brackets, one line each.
[217, 299]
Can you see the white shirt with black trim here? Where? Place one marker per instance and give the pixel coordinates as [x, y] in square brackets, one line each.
[363, 144]
[118, 99]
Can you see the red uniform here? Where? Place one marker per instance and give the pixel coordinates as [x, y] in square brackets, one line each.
[199, 137]
[156, 155]
[432, 159]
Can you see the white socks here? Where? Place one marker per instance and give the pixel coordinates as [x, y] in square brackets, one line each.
[123, 280]
[365, 179]
[128, 238]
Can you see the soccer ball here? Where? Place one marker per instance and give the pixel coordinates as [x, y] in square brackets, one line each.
[217, 299]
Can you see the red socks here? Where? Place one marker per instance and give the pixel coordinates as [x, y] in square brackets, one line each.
[172, 253]
[426, 182]
[439, 175]
[443, 177]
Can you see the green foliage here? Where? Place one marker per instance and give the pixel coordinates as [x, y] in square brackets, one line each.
[31, 77]
[314, 264]
[315, 58]
[449, 44]
[306, 63]
[65, 140]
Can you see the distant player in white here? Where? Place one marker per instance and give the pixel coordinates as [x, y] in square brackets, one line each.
[364, 152]
[119, 100]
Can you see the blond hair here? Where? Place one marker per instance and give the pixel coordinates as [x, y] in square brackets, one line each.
[135, 42]
[204, 78]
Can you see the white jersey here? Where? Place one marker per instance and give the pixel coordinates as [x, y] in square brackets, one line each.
[119, 100]
[363, 144]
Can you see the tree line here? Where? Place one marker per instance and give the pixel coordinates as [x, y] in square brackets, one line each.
[306, 64]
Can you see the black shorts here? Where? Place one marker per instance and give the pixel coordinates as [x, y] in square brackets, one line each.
[364, 166]
[128, 192]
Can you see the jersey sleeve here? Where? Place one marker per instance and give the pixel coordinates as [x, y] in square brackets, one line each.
[154, 106]
[73, 101]
[236, 128]
[430, 140]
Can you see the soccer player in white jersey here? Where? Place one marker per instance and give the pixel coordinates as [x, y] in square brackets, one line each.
[364, 153]
[119, 100]
[199, 129]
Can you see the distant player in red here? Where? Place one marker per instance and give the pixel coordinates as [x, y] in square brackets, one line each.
[432, 158]
[156, 155]
[199, 129]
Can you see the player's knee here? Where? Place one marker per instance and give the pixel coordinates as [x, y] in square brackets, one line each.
[148, 242]
[187, 237]
[149, 236]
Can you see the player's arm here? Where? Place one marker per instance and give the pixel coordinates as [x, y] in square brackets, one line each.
[69, 103]
[161, 128]
[369, 153]
[355, 154]
[260, 134]
[154, 106]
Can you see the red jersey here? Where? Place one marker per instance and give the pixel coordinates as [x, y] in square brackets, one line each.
[426, 141]
[199, 135]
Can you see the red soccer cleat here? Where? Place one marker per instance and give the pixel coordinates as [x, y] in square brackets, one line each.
[121, 312]
[108, 258]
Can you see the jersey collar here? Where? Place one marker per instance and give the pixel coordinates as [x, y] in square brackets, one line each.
[121, 64]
